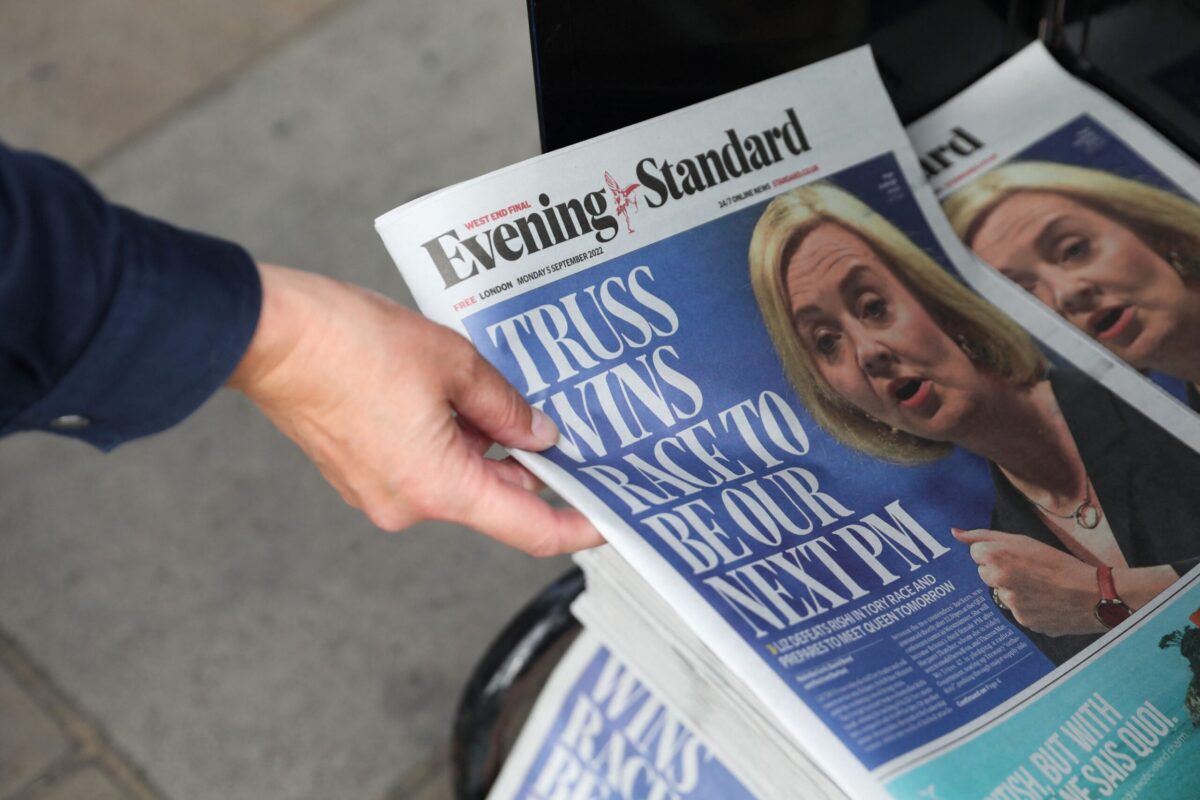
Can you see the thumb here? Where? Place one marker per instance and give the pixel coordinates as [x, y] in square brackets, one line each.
[482, 396]
[510, 513]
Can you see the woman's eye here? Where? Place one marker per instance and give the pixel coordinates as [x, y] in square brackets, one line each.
[1074, 250]
[875, 308]
[825, 343]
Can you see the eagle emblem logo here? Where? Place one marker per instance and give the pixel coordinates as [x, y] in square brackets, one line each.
[623, 198]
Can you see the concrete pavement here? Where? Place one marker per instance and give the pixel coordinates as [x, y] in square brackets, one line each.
[227, 627]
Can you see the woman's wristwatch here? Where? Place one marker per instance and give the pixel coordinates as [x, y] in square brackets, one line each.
[1111, 610]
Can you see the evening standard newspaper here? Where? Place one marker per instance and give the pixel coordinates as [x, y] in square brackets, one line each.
[1086, 207]
[599, 728]
[790, 417]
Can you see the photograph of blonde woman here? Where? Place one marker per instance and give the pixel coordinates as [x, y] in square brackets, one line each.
[1117, 258]
[1094, 509]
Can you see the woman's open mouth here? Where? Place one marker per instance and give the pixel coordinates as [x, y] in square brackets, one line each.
[1109, 323]
[911, 392]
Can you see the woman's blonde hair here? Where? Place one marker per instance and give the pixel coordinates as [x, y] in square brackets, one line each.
[989, 338]
[1167, 223]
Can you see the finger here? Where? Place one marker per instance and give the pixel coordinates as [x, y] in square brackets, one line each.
[521, 519]
[1007, 597]
[989, 575]
[977, 535]
[480, 393]
[508, 469]
[982, 552]
[475, 440]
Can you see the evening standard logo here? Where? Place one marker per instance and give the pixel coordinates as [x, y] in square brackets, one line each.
[941, 158]
[552, 222]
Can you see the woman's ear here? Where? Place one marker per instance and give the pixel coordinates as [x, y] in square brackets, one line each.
[1180, 251]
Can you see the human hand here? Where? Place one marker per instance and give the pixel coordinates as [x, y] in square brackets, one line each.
[1046, 590]
[369, 389]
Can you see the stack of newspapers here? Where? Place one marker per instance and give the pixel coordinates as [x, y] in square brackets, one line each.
[891, 434]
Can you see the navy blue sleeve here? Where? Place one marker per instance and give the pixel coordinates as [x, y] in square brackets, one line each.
[112, 325]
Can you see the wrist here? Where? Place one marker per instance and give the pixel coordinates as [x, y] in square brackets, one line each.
[1111, 609]
[280, 324]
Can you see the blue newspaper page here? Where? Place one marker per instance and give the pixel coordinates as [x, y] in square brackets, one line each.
[598, 731]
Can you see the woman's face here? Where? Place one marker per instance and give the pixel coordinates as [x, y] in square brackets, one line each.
[874, 342]
[1092, 270]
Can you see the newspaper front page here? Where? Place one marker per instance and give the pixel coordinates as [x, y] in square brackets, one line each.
[601, 730]
[1078, 202]
[790, 417]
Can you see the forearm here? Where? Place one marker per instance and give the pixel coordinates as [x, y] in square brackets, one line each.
[114, 325]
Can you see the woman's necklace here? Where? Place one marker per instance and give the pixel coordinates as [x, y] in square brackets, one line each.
[1086, 515]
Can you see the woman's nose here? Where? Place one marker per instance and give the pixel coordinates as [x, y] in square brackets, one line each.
[1070, 294]
[875, 357]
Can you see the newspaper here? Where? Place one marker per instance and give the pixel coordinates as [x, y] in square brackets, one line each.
[788, 415]
[598, 730]
[648, 635]
[1081, 204]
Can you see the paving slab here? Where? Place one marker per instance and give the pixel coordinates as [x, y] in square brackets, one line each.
[50, 748]
[30, 739]
[238, 630]
[430, 781]
[89, 783]
[81, 77]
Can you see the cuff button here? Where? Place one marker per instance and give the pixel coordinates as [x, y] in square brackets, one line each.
[70, 422]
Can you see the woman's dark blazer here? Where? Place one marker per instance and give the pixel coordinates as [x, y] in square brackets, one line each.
[1147, 482]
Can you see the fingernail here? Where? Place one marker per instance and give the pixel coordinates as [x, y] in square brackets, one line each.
[543, 428]
[957, 531]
